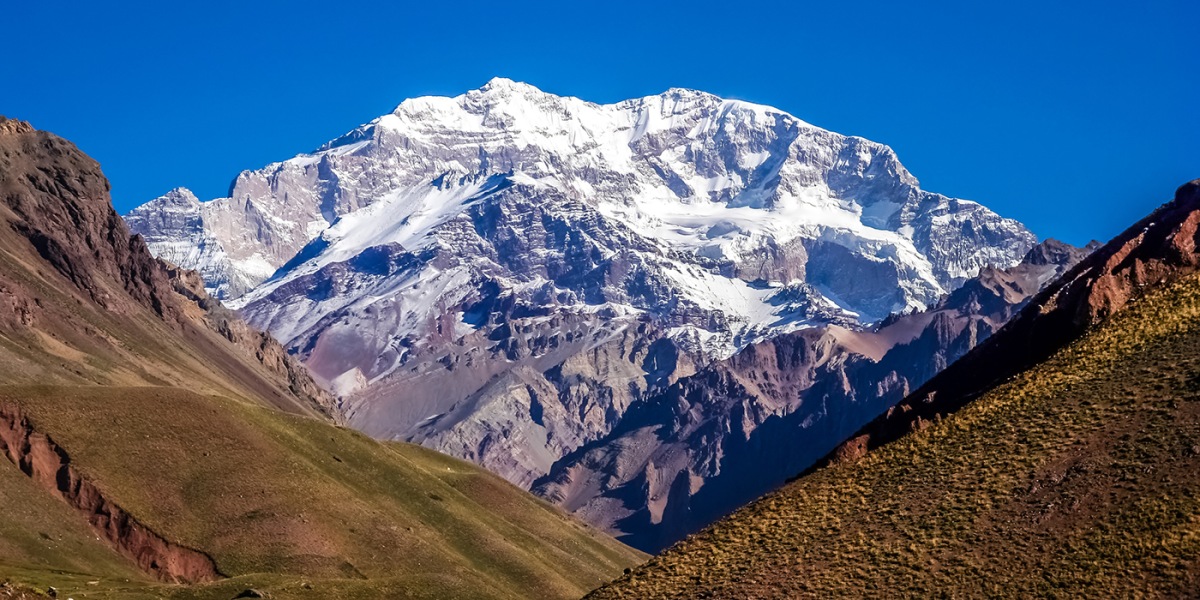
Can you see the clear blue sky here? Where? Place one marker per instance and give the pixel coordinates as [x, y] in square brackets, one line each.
[1074, 117]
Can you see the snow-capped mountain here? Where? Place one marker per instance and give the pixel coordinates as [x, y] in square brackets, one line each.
[499, 274]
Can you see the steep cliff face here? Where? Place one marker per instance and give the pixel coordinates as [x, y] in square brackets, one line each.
[436, 266]
[1154, 252]
[79, 285]
[56, 199]
[690, 453]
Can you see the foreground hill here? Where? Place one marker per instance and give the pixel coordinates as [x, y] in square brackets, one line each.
[283, 503]
[82, 302]
[151, 437]
[1076, 473]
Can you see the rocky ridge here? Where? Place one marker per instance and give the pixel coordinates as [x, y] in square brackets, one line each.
[56, 212]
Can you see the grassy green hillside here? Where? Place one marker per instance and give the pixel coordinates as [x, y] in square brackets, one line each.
[1077, 478]
[265, 492]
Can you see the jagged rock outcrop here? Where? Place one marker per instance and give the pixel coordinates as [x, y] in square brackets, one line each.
[688, 454]
[254, 343]
[56, 198]
[38, 457]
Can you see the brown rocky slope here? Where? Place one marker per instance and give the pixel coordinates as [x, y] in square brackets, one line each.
[87, 303]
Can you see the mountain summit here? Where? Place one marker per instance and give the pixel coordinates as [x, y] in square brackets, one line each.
[559, 257]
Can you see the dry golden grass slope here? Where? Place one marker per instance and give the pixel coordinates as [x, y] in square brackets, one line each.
[148, 435]
[1079, 477]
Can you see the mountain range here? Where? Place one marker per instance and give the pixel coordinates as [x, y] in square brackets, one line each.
[697, 326]
[516, 278]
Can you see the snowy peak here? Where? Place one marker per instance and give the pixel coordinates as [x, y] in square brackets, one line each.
[181, 197]
[503, 86]
[709, 109]
[727, 181]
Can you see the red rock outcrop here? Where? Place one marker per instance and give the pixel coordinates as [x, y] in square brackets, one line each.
[36, 455]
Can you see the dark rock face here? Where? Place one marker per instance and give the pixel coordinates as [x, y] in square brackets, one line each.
[686, 455]
[1155, 251]
[59, 202]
